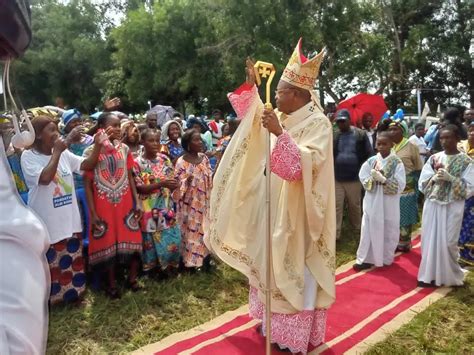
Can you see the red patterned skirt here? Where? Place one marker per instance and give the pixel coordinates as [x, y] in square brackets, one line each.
[66, 264]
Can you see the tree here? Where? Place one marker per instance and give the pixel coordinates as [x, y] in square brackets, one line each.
[430, 43]
[67, 55]
[188, 53]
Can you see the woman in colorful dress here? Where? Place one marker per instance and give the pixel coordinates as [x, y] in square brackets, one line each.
[466, 239]
[48, 169]
[154, 176]
[410, 156]
[194, 175]
[447, 180]
[14, 159]
[71, 121]
[115, 210]
[171, 138]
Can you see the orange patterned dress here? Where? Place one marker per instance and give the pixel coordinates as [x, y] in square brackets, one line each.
[192, 208]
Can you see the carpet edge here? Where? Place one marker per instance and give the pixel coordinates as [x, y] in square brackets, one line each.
[205, 327]
[396, 323]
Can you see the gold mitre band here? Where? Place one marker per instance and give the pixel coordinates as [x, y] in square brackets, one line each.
[301, 71]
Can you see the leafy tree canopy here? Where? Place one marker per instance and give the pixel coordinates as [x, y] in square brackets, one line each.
[179, 52]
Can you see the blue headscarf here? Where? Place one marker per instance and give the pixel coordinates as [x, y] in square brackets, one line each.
[70, 115]
[95, 115]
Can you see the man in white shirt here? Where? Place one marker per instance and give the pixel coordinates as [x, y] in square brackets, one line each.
[216, 126]
[419, 141]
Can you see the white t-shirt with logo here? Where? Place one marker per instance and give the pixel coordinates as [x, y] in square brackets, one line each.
[56, 203]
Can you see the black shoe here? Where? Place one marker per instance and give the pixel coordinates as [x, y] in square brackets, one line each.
[280, 349]
[207, 264]
[363, 266]
[425, 285]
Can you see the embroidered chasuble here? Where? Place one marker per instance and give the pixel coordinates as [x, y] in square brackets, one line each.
[303, 209]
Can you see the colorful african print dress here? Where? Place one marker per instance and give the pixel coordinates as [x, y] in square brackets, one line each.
[113, 202]
[466, 238]
[79, 149]
[410, 156]
[160, 231]
[192, 208]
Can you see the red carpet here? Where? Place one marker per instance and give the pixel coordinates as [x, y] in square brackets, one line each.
[368, 306]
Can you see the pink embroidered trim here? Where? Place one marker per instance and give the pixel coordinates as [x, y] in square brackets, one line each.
[242, 98]
[286, 159]
[292, 331]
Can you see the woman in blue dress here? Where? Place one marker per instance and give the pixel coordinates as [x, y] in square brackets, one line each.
[171, 140]
[466, 238]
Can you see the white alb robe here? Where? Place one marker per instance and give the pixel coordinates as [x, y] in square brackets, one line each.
[380, 227]
[441, 223]
[24, 272]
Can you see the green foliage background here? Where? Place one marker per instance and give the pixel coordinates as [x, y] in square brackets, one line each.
[179, 52]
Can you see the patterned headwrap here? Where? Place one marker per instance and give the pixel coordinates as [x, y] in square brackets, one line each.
[70, 115]
[403, 126]
[41, 111]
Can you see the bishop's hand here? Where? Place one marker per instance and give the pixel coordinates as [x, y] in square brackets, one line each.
[270, 121]
[249, 71]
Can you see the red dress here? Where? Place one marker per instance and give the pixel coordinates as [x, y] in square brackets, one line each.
[113, 202]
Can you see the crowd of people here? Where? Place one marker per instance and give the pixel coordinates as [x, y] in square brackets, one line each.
[406, 171]
[119, 197]
[122, 199]
[115, 192]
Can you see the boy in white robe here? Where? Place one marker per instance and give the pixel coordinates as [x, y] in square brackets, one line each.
[447, 180]
[383, 178]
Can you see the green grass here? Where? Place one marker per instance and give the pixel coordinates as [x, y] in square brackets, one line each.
[101, 326]
[445, 327]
